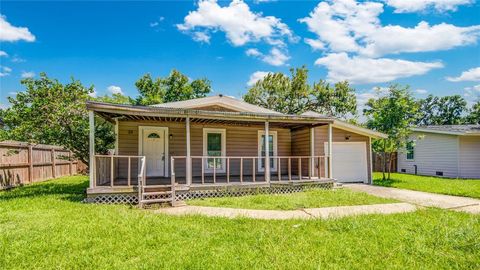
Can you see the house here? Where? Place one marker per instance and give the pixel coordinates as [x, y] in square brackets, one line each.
[197, 147]
[448, 151]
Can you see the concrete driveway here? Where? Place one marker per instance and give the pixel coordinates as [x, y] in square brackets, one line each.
[455, 203]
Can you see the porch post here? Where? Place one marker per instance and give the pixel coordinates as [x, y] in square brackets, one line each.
[370, 178]
[91, 121]
[312, 152]
[267, 154]
[116, 136]
[330, 174]
[189, 160]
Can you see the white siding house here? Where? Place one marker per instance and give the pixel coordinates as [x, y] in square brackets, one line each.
[448, 151]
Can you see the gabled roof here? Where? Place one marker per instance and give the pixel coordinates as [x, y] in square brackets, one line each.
[461, 130]
[348, 127]
[218, 100]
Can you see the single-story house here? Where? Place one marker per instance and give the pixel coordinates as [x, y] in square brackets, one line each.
[221, 142]
[448, 151]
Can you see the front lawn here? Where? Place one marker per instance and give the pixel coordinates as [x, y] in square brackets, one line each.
[457, 187]
[309, 199]
[45, 226]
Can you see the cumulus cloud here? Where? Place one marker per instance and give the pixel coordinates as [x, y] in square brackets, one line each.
[12, 33]
[472, 74]
[421, 91]
[348, 26]
[253, 52]
[237, 21]
[275, 57]
[3, 53]
[5, 71]
[256, 76]
[29, 74]
[403, 6]
[359, 69]
[113, 89]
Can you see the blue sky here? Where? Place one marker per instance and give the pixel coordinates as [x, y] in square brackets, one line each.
[431, 45]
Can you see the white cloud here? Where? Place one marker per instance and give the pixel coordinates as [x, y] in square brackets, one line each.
[113, 89]
[3, 53]
[16, 59]
[94, 94]
[29, 74]
[348, 26]
[12, 93]
[316, 44]
[472, 94]
[256, 76]
[421, 91]
[263, 1]
[363, 97]
[253, 52]
[365, 70]
[5, 71]
[157, 23]
[472, 74]
[201, 37]
[402, 6]
[12, 33]
[275, 57]
[239, 23]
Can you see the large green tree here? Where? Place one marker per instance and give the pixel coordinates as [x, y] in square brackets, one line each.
[116, 98]
[50, 112]
[393, 113]
[447, 110]
[294, 95]
[175, 87]
[474, 115]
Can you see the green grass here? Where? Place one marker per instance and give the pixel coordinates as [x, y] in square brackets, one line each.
[449, 186]
[45, 226]
[309, 199]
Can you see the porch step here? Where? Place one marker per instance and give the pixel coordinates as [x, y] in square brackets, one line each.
[157, 200]
[157, 193]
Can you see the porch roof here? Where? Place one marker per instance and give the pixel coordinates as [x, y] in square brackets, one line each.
[111, 111]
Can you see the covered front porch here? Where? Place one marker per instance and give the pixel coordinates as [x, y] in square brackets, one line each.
[183, 150]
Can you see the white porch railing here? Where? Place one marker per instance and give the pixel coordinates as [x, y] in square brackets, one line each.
[240, 169]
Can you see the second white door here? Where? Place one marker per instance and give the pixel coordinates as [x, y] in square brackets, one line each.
[153, 148]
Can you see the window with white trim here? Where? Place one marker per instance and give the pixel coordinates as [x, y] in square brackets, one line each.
[410, 150]
[214, 145]
[272, 139]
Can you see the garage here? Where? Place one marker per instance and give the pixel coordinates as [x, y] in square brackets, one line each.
[349, 161]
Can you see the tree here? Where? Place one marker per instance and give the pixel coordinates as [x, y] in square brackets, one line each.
[116, 98]
[474, 116]
[447, 110]
[175, 87]
[49, 112]
[393, 114]
[294, 95]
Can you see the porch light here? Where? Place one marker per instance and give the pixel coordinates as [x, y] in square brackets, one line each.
[170, 136]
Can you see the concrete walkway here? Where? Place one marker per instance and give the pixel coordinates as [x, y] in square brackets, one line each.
[324, 213]
[426, 199]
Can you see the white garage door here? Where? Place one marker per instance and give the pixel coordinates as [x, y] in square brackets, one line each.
[349, 161]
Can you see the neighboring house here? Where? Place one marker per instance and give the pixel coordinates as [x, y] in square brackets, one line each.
[449, 151]
[219, 141]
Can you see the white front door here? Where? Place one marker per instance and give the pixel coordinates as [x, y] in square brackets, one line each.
[153, 148]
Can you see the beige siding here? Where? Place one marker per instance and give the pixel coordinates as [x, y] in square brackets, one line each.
[339, 135]
[240, 141]
[469, 157]
[300, 147]
[432, 153]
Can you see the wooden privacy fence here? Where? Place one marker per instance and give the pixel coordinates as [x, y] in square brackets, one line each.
[23, 163]
[377, 162]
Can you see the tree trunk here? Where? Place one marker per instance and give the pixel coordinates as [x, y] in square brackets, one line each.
[383, 161]
[390, 155]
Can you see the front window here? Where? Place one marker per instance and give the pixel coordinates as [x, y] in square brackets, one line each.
[272, 147]
[410, 150]
[214, 146]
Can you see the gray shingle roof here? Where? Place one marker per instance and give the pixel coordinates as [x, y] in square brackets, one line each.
[451, 129]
